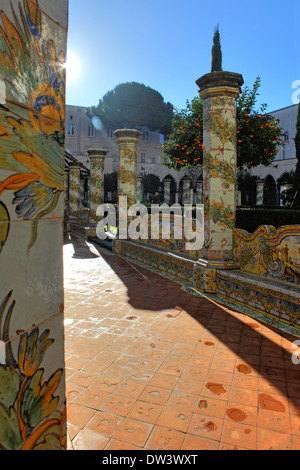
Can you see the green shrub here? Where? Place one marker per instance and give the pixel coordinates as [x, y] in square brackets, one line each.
[251, 218]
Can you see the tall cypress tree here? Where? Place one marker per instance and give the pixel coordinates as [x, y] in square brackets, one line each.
[216, 53]
[296, 201]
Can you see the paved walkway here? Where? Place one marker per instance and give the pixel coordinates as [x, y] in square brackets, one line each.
[150, 366]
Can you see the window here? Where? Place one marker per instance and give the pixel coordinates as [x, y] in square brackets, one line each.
[91, 131]
[286, 136]
[71, 129]
[145, 136]
[143, 157]
[71, 117]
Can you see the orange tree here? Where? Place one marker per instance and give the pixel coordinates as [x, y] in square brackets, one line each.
[258, 134]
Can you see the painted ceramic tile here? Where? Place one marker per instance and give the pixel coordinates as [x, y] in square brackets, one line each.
[270, 252]
[32, 100]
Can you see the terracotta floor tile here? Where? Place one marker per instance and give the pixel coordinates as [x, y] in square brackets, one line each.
[157, 395]
[83, 379]
[174, 419]
[241, 413]
[272, 440]
[118, 405]
[216, 390]
[274, 420]
[119, 445]
[194, 373]
[162, 380]
[241, 435]
[211, 407]
[105, 423]
[199, 443]
[88, 440]
[171, 368]
[182, 401]
[73, 392]
[193, 387]
[78, 415]
[245, 381]
[129, 388]
[106, 384]
[133, 432]
[92, 398]
[203, 362]
[163, 438]
[273, 402]
[206, 426]
[243, 396]
[146, 412]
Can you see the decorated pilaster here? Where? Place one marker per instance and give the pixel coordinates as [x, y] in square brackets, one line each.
[96, 194]
[74, 191]
[219, 91]
[127, 184]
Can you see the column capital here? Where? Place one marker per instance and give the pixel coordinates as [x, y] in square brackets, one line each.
[128, 135]
[97, 153]
[220, 84]
[75, 165]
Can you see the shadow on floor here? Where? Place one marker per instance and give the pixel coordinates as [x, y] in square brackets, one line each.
[151, 291]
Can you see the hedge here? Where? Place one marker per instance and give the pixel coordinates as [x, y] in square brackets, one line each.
[252, 217]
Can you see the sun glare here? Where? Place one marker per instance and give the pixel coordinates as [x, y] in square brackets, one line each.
[72, 67]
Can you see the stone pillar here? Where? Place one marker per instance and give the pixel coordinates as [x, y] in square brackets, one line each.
[167, 191]
[74, 191]
[97, 158]
[127, 184]
[199, 192]
[32, 121]
[219, 91]
[259, 193]
[186, 194]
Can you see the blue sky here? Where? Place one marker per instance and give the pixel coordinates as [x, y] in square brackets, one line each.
[167, 45]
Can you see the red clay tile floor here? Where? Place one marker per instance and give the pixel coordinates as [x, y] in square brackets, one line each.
[152, 367]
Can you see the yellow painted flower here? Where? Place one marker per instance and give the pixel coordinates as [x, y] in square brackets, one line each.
[46, 110]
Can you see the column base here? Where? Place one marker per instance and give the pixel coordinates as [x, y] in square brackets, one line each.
[205, 273]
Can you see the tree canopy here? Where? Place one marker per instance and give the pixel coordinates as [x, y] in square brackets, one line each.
[133, 105]
[258, 134]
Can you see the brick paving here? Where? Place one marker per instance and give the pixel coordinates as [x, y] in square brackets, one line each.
[150, 366]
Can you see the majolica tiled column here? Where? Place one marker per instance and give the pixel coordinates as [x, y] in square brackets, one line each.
[33, 37]
[127, 184]
[186, 193]
[199, 190]
[219, 91]
[96, 195]
[259, 193]
[74, 191]
[167, 191]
